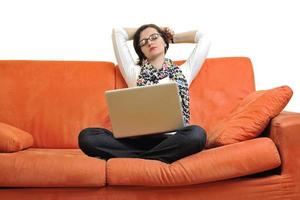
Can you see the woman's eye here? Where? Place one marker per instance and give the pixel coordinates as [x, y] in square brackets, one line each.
[153, 37]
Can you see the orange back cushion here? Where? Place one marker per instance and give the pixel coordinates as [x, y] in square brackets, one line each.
[55, 100]
[219, 86]
[250, 117]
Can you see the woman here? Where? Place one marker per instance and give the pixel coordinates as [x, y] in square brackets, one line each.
[151, 44]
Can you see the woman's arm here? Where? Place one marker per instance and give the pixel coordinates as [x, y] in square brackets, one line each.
[127, 66]
[130, 32]
[186, 37]
[196, 59]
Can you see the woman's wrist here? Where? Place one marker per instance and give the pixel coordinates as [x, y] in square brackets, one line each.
[130, 32]
[185, 37]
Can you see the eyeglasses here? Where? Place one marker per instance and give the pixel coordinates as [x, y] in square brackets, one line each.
[152, 37]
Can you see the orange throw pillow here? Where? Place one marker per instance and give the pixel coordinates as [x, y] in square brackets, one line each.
[13, 139]
[250, 117]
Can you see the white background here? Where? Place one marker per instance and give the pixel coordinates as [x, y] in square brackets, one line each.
[267, 31]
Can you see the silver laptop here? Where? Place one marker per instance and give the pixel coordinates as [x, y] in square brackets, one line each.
[144, 110]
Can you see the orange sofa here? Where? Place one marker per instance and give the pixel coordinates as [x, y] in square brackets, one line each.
[54, 100]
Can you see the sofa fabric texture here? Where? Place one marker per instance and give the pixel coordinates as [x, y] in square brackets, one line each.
[13, 139]
[45, 104]
[251, 116]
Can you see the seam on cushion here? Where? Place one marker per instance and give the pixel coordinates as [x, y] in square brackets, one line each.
[108, 171]
[275, 150]
[115, 76]
[105, 174]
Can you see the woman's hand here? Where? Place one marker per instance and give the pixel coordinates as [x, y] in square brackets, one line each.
[169, 32]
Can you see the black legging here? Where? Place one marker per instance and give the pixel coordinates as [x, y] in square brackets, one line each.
[99, 142]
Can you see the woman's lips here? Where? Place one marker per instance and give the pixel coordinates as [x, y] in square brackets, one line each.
[152, 48]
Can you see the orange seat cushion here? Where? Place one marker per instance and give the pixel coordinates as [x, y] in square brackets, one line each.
[250, 117]
[41, 167]
[13, 139]
[210, 165]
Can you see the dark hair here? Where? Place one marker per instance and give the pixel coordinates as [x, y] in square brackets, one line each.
[136, 40]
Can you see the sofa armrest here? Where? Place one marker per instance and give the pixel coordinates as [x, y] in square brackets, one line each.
[285, 132]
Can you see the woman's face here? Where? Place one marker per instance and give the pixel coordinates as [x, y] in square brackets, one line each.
[151, 43]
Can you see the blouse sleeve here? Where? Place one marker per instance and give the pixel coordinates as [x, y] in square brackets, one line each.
[127, 66]
[195, 61]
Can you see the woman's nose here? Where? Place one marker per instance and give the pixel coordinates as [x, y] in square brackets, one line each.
[149, 42]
